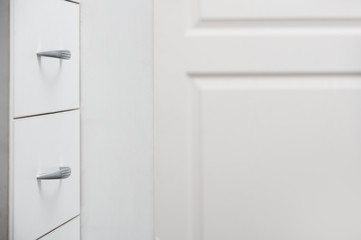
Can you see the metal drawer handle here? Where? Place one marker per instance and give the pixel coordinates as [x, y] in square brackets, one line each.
[62, 173]
[62, 54]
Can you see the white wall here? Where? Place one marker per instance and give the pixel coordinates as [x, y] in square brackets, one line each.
[116, 106]
[4, 117]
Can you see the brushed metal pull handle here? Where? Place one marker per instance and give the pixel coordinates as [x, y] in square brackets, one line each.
[62, 54]
[62, 173]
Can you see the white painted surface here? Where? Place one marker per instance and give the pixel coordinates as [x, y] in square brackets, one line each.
[280, 157]
[42, 145]
[69, 231]
[276, 9]
[257, 127]
[43, 84]
[116, 101]
[48, 86]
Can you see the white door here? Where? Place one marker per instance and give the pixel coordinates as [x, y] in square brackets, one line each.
[258, 119]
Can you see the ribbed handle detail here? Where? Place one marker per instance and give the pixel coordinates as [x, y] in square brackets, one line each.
[62, 173]
[62, 54]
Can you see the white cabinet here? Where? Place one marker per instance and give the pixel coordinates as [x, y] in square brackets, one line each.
[39, 120]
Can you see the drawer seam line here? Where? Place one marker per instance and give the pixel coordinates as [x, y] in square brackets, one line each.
[57, 227]
[49, 113]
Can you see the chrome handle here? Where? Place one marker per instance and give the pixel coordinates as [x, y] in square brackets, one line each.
[62, 173]
[62, 54]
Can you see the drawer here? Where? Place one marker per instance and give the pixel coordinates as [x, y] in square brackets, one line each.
[44, 84]
[41, 145]
[69, 231]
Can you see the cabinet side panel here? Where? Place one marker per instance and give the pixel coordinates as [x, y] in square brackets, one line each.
[116, 120]
[4, 118]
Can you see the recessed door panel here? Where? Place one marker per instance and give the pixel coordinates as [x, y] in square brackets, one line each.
[278, 157]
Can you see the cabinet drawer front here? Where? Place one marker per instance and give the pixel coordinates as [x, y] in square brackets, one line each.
[41, 145]
[69, 231]
[45, 84]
